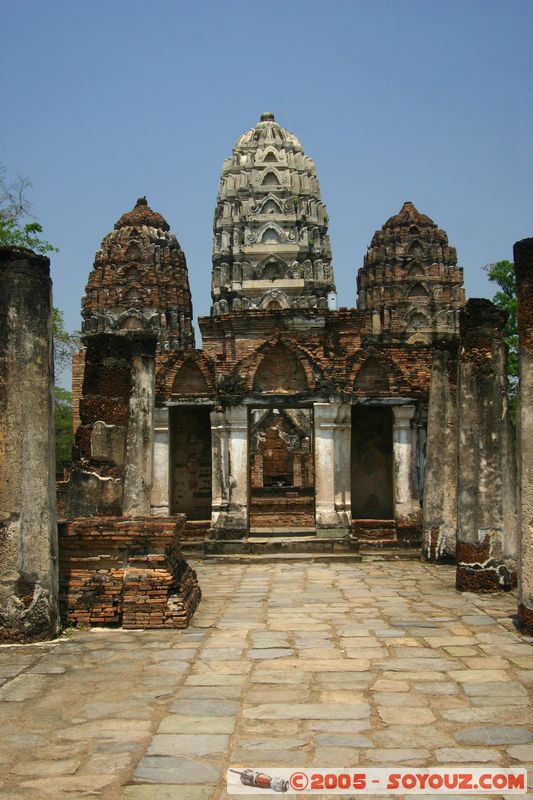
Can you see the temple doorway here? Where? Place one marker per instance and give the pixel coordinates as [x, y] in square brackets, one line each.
[190, 462]
[282, 476]
[372, 463]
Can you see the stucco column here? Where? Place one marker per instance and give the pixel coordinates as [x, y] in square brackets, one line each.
[440, 486]
[405, 509]
[219, 465]
[523, 259]
[230, 472]
[331, 490]
[161, 486]
[342, 460]
[138, 472]
[482, 565]
[28, 523]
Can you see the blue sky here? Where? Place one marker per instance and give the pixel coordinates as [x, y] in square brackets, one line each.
[394, 99]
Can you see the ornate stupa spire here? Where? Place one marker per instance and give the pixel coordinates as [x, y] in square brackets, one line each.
[271, 248]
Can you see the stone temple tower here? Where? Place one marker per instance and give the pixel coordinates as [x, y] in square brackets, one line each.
[410, 272]
[139, 280]
[271, 248]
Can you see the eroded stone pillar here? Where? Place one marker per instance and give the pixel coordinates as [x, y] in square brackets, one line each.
[160, 486]
[138, 472]
[482, 565]
[230, 472]
[406, 506]
[332, 425]
[523, 259]
[440, 487]
[28, 524]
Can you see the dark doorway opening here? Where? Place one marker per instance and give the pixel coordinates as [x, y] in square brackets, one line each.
[372, 463]
[190, 462]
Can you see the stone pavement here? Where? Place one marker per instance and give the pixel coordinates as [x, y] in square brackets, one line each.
[288, 664]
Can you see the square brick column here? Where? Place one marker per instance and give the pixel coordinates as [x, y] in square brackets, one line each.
[523, 259]
[230, 472]
[440, 487]
[138, 470]
[332, 465]
[483, 564]
[406, 507]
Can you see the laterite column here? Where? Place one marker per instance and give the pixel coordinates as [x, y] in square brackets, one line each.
[28, 524]
[523, 259]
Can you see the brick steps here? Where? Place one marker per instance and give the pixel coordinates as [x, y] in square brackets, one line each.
[273, 558]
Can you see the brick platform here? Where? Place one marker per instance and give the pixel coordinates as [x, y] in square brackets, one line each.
[129, 572]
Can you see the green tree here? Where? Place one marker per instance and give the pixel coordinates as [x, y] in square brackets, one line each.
[63, 426]
[14, 207]
[65, 343]
[502, 274]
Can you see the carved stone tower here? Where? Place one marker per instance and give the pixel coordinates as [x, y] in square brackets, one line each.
[410, 269]
[139, 281]
[271, 248]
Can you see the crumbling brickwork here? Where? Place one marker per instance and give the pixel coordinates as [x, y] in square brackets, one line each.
[116, 571]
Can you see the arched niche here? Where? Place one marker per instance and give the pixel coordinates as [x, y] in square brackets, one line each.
[371, 377]
[273, 270]
[415, 249]
[280, 372]
[418, 290]
[190, 380]
[271, 157]
[418, 320]
[270, 179]
[133, 253]
[415, 270]
[132, 273]
[270, 236]
[270, 206]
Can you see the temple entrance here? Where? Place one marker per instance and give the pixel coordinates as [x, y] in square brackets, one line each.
[190, 462]
[282, 476]
[372, 463]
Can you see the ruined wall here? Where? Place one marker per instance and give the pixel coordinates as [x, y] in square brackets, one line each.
[113, 446]
[116, 571]
[482, 564]
[28, 527]
[523, 259]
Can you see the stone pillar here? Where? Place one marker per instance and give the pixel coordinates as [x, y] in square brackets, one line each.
[28, 524]
[230, 472]
[482, 406]
[161, 486]
[332, 466]
[219, 465]
[138, 471]
[406, 507]
[523, 259]
[440, 486]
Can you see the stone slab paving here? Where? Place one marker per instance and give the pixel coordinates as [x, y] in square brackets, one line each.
[289, 664]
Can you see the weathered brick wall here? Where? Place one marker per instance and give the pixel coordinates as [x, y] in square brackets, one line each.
[116, 571]
[78, 368]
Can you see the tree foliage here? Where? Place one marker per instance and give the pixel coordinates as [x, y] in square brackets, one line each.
[14, 207]
[63, 426]
[503, 275]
